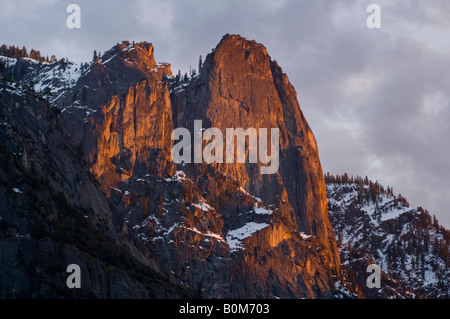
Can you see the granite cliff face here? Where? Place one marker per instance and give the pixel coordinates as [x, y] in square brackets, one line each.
[221, 230]
[120, 113]
[239, 86]
[53, 213]
[224, 229]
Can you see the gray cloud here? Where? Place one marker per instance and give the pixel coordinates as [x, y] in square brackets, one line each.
[378, 101]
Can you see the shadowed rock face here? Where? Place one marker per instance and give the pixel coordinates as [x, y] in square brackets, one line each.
[53, 214]
[223, 230]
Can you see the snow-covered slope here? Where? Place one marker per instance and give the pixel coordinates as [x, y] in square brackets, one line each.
[403, 240]
[51, 80]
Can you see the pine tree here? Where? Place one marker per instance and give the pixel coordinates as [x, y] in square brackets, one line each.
[146, 206]
[3, 50]
[435, 222]
[134, 197]
[340, 238]
[24, 52]
[32, 54]
[160, 206]
[200, 64]
[178, 77]
[189, 195]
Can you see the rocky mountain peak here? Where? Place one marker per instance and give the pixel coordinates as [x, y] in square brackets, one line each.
[240, 86]
[229, 40]
[138, 56]
[247, 56]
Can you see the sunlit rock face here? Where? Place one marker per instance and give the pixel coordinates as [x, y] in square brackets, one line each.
[221, 230]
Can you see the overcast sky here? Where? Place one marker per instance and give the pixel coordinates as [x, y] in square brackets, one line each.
[378, 100]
